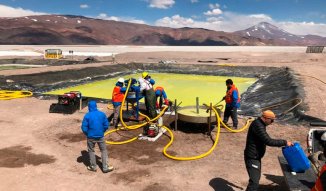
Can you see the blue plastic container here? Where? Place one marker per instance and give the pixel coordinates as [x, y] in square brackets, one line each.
[296, 158]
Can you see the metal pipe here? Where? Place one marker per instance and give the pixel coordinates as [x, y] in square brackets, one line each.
[175, 115]
[318, 123]
[197, 105]
[210, 119]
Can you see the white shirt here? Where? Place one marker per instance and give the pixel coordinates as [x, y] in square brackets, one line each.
[144, 84]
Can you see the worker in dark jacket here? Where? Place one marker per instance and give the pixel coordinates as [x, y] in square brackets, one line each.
[93, 126]
[232, 103]
[320, 184]
[257, 139]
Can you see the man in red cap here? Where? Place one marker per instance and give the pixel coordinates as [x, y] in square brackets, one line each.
[257, 139]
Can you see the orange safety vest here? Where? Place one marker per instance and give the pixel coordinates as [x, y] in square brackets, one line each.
[117, 96]
[228, 96]
[318, 186]
[159, 88]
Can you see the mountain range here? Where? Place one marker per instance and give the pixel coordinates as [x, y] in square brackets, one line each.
[78, 30]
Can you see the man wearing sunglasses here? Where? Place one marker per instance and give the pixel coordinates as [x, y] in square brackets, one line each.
[257, 139]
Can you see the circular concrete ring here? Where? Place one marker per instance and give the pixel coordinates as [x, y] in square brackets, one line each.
[188, 114]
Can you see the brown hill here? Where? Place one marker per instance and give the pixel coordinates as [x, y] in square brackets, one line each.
[70, 30]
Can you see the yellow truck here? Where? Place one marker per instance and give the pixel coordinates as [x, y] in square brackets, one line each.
[53, 54]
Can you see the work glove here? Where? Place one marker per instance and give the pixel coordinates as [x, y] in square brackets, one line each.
[157, 105]
[166, 102]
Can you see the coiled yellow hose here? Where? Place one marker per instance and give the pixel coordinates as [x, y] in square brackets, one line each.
[7, 94]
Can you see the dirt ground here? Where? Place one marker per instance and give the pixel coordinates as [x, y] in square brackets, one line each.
[45, 151]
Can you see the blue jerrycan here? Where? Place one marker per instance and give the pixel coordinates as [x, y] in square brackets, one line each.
[296, 158]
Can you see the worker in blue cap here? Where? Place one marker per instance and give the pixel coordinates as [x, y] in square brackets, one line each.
[160, 93]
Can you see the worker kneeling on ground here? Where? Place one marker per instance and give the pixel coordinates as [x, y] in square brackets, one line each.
[160, 93]
[93, 126]
[117, 98]
[232, 100]
[320, 184]
[257, 139]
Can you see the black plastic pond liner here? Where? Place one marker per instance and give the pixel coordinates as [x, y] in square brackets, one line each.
[274, 85]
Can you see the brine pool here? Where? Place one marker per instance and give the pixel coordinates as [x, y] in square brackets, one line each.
[183, 87]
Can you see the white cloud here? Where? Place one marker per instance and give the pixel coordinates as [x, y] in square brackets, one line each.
[84, 6]
[161, 4]
[215, 10]
[104, 16]
[230, 22]
[6, 11]
[303, 28]
[175, 21]
[194, 1]
[214, 6]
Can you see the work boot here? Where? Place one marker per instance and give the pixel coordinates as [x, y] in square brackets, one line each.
[91, 168]
[108, 169]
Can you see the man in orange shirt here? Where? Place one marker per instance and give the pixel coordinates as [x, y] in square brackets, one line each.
[232, 100]
[117, 98]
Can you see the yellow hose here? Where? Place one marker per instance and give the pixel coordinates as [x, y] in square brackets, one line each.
[7, 94]
[148, 121]
[219, 122]
[132, 127]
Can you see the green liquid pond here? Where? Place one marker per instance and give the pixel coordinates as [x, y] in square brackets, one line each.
[183, 87]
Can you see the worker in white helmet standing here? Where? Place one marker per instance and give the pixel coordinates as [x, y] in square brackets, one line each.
[117, 98]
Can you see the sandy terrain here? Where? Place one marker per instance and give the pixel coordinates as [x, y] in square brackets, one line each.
[45, 151]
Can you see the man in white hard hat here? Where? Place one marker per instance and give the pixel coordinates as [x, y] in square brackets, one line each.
[117, 98]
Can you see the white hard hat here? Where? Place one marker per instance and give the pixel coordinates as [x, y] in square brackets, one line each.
[121, 80]
[323, 137]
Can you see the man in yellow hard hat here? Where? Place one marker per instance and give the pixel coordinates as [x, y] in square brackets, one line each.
[257, 139]
[146, 86]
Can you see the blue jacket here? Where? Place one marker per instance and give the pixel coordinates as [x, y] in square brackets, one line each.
[161, 93]
[122, 90]
[95, 122]
[234, 100]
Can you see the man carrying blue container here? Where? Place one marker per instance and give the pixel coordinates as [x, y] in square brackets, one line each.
[93, 126]
[257, 139]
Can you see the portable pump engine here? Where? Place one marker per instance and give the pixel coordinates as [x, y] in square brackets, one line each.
[68, 103]
[71, 98]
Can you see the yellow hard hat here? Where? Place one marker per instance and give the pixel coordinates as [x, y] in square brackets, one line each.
[269, 114]
[144, 74]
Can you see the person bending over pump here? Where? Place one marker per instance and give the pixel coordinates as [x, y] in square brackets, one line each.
[232, 100]
[160, 93]
[257, 139]
[117, 98]
[93, 126]
[320, 184]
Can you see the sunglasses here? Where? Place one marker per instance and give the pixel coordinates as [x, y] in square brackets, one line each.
[272, 120]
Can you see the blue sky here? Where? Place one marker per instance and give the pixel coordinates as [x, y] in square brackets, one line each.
[296, 16]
